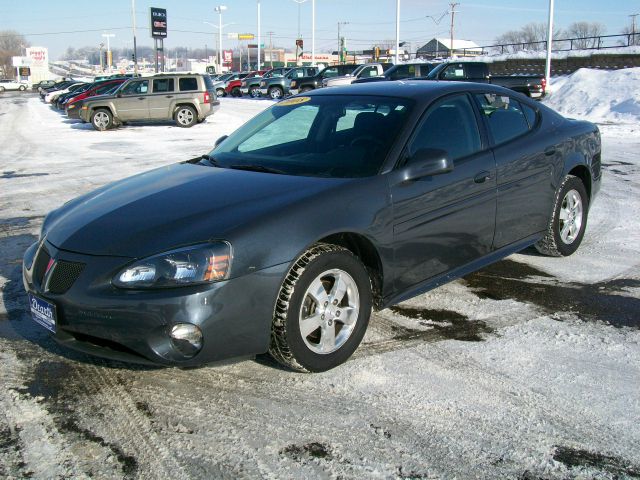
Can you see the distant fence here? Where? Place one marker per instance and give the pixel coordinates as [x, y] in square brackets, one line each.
[592, 55]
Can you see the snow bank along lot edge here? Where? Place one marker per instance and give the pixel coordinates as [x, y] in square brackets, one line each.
[544, 390]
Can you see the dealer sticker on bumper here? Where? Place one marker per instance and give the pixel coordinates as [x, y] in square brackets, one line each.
[43, 312]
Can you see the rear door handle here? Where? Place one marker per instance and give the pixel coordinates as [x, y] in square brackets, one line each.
[549, 151]
[168, 96]
[141, 98]
[482, 177]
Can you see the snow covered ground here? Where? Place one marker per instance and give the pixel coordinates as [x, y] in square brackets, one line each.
[527, 369]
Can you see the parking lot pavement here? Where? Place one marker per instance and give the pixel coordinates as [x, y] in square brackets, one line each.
[527, 369]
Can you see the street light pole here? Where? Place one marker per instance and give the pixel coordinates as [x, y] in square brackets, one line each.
[135, 48]
[313, 33]
[397, 31]
[547, 70]
[259, 37]
[220, 9]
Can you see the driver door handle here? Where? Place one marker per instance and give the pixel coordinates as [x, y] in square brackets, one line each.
[168, 96]
[141, 98]
[482, 177]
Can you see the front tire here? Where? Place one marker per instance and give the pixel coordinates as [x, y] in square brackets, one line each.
[185, 116]
[102, 120]
[322, 311]
[221, 93]
[22, 88]
[568, 220]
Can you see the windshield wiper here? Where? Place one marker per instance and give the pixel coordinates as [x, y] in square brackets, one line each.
[211, 160]
[257, 168]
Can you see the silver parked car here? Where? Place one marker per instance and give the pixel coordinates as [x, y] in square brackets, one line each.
[184, 98]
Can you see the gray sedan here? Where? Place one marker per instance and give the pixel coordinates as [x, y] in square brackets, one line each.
[323, 207]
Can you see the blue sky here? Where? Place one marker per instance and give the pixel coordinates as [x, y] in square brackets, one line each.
[43, 21]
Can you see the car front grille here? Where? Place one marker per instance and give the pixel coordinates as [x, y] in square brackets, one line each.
[64, 275]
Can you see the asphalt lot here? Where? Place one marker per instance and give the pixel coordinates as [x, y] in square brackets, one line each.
[527, 369]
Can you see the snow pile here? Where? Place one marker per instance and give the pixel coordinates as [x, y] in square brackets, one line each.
[604, 96]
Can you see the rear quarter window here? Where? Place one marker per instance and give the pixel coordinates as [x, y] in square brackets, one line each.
[505, 116]
[188, 84]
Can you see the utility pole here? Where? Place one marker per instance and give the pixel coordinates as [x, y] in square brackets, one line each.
[313, 33]
[547, 69]
[219, 9]
[633, 28]
[453, 14]
[270, 48]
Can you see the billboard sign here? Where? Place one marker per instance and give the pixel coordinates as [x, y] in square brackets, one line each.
[158, 22]
[227, 56]
[246, 36]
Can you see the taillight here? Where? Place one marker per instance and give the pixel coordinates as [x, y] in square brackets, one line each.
[544, 83]
[207, 97]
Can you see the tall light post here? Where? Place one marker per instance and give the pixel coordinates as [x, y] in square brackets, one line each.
[108, 36]
[219, 9]
[259, 37]
[219, 27]
[135, 48]
[547, 70]
[397, 31]
[313, 33]
[299, 2]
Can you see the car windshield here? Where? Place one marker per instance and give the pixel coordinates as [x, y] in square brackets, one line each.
[274, 73]
[324, 136]
[434, 73]
[357, 70]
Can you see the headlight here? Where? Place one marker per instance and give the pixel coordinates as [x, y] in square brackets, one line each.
[71, 106]
[262, 84]
[293, 84]
[185, 266]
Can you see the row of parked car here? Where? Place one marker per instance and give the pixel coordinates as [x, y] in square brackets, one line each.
[280, 82]
[185, 98]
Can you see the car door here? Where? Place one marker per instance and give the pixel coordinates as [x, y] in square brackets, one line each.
[524, 167]
[161, 98]
[445, 221]
[133, 100]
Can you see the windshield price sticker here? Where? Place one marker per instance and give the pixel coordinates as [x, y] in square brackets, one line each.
[293, 101]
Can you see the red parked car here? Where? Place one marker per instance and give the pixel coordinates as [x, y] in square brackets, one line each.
[233, 88]
[100, 88]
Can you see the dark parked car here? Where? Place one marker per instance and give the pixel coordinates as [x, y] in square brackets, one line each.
[43, 84]
[318, 209]
[400, 72]
[304, 84]
[74, 104]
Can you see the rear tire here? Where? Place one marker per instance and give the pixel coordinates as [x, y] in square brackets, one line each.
[22, 88]
[568, 219]
[254, 92]
[275, 93]
[185, 116]
[322, 310]
[236, 92]
[102, 119]
[221, 93]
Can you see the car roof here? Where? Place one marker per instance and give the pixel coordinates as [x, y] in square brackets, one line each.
[419, 90]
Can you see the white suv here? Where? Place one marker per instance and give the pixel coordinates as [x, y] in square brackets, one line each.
[8, 84]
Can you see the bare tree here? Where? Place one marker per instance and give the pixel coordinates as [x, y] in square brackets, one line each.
[532, 36]
[584, 32]
[12, 44]
[633, 36]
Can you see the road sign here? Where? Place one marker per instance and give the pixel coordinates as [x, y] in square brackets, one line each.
[246, 36]
[232, 36]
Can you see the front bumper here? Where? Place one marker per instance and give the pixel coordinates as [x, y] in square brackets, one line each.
[72, 112]
[263, 91]
[132, 325]
[293, 91]
[244, 91]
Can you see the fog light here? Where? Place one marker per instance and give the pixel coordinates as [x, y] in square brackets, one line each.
[186, 339]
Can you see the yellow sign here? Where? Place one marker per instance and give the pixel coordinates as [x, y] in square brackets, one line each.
[246, 36]
[293, 101]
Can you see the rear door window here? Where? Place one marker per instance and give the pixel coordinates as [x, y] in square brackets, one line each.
[163, 85]
[453, 72]
[505, 116]
[188, 84]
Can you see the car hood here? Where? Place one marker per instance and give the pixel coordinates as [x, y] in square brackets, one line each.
[173, 206]
[343, 80]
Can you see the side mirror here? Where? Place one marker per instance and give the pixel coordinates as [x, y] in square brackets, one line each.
[425, 163]
[220, 140]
